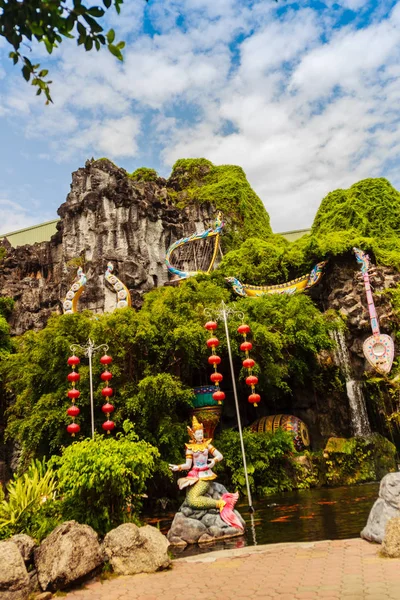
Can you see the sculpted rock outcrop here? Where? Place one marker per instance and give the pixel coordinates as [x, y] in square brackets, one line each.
[131, 549]
[107, 217]
[14, 579]
[385, 508]
[69, 553]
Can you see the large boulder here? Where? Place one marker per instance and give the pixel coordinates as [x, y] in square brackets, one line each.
[385, 508]
[25, 544]
[69, 553]
[391, 541]
[14, 579]
[201, 526]
[131, 549]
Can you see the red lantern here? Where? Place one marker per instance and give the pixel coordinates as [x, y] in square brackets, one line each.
[73, 394]
[246, 346]
[106, 376]
[218, 396]
[243, 329]
[108, 426]
[73, 428]
[214, 359]
[249, 363]
[254, 399]
[212, 342]
[216, 377]
[73, 377]
[73, 411]
[107, 391]
[107, 408]
[106, 360]
[73, 361]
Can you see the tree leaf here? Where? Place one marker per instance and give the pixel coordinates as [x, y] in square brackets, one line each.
[110, 36]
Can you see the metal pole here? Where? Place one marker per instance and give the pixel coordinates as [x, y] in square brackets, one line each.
[90, 349]
[250, 502]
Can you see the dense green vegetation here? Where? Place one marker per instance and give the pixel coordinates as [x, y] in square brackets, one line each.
[159, 354]
[357, 460]
[367, 215]
[226, 188]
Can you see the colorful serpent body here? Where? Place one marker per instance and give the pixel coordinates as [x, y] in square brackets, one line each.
[290, 287]
[209, 233]
[71, 299]
[123, 295]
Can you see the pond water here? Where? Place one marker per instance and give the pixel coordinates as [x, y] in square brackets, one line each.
[298, 516]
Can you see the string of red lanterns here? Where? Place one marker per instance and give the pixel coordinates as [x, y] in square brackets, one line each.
[248, 364]
[73, 394]
[214, 360]
[107, 391]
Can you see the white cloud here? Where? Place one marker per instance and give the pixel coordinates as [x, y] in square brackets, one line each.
[307, 107]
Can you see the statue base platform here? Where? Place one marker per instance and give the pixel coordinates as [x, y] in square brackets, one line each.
[192, 526]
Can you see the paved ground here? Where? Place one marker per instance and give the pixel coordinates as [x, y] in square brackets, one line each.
[342, 569]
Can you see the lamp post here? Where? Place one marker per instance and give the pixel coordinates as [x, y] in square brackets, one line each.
[223, 313]
[89, 349]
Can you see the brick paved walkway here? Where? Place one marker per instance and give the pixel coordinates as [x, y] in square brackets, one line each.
[330, 570]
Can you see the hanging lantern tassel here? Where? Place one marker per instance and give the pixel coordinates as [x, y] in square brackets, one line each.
[214, 360]
[107, 391]
[248, 364]
[73, 394]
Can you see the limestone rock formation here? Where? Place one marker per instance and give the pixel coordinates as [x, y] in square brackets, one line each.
[131, 549]
[69, 553]
[14, 579]
[201, 526]
[385, 508]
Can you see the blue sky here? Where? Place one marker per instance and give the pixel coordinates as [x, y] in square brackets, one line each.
[303, 95]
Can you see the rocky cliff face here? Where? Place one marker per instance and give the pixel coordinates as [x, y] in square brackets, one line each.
[107, 216]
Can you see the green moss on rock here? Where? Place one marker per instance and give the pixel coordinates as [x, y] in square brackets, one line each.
[370, 207]
[356, 460]
[144, 174]
[226, 188]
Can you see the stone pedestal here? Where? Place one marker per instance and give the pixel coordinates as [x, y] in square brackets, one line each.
[201, 526]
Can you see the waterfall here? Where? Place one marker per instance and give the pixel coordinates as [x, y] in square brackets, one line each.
[358, 410]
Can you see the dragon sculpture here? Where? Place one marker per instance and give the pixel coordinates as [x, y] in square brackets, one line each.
[294, 286]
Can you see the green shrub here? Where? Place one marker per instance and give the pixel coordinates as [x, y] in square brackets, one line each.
[102, 480]
[268, 457]
[29, 505]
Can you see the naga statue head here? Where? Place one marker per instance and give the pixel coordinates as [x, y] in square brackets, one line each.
[236, 285]
[316, 274]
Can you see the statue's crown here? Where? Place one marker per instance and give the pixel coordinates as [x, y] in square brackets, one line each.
[196, 425]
